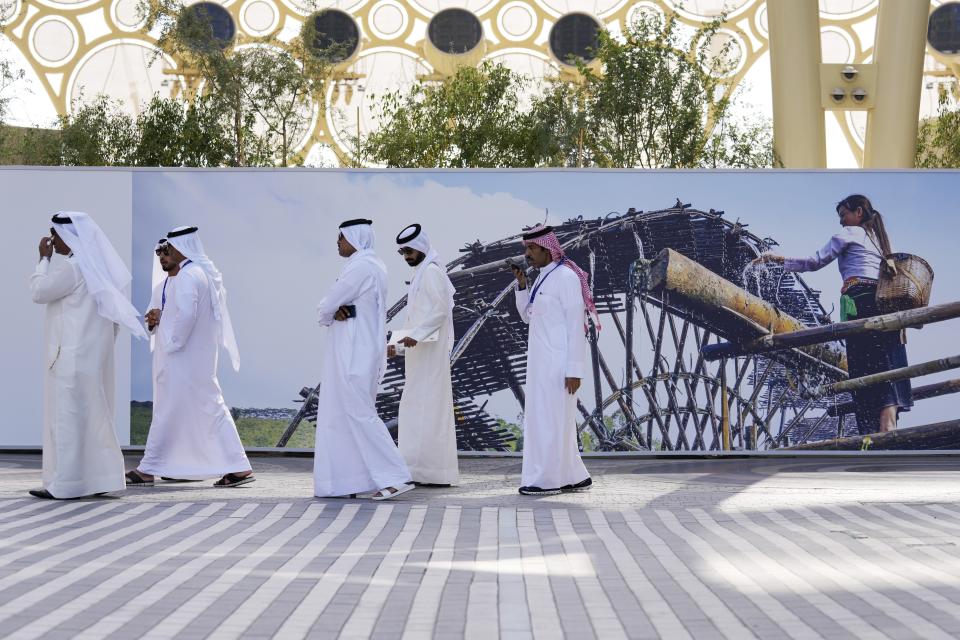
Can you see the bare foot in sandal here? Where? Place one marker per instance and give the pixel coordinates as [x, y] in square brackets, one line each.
[235, 479]
[391, 492]
[136, 478]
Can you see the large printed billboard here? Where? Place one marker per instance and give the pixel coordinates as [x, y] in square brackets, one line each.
[273, 232]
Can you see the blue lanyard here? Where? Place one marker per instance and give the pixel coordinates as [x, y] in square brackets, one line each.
[533, 294]
[163, 294]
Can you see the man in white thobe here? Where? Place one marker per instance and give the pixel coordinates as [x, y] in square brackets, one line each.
[192, 435]
[427, 434]
[555, 307]
[354, 452]
[83, 291]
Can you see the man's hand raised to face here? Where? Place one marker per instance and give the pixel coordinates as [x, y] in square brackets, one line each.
[46, 247]
[520, 276]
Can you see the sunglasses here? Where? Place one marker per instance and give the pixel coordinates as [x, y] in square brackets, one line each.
[406, 251]
[164, 250]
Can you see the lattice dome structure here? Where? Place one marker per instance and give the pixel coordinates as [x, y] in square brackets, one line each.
[74, 47]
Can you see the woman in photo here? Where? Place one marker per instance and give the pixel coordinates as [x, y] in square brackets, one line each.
[858, 249]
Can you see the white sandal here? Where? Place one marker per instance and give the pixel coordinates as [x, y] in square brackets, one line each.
[380, 495]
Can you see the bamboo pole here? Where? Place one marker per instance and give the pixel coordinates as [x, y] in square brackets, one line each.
[920, 393]
[903, 373]
[724, 408]
[928, 437]
[737, 312]
[837, 331]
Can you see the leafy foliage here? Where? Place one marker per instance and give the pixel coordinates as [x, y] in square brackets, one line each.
[9, 77]
[472, 119]
[653, 100]
[172, 134]
[98, 133]
[264, 94]
[649, 100]
[938, 142]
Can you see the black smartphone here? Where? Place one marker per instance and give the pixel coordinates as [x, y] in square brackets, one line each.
[351, 310]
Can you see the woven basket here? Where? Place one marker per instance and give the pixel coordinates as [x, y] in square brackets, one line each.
[908, 287]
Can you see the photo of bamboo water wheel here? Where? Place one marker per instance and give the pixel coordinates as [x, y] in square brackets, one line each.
[650, 388]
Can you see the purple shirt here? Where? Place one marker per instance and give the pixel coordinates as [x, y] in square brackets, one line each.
[851, 247]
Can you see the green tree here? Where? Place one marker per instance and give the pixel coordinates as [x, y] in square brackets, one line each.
[938, 142]
[171, 133]
[96, 133]
[649, 100]
[9, 78]
[265, 94]
[653, 99]
[472, 119]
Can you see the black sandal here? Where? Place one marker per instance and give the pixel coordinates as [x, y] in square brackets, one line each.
[165, 479]
[135, 480]
[233, 480]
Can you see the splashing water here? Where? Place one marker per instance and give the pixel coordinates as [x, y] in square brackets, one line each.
[760, 271]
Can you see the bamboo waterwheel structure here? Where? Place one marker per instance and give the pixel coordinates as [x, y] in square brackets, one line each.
[650, 388]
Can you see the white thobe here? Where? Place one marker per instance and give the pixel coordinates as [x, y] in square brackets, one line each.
[556, 350]
[354, 452]
[192, 434]
[81, 454]
[427, 434]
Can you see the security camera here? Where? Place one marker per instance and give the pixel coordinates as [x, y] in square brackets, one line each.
[838, 94]
[859, 94]
[849, 72]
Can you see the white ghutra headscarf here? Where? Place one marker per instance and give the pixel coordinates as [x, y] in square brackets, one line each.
[104, 273]
[186, 240]
[416, 238]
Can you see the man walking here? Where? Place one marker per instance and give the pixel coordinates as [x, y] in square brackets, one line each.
[427, 434]
[555, 308]
[192, 435]
[354, 452]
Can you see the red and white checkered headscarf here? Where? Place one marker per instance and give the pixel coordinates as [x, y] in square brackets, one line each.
[551, 243]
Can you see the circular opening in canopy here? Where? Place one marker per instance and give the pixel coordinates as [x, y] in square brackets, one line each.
[455, 31]
[575, 36]
[943, 29]
[333, 35]
[206, 26]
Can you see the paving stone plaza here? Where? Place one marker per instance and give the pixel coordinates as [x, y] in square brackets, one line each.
[827, 547]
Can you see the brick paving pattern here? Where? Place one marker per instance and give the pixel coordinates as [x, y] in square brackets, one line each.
[766, 548]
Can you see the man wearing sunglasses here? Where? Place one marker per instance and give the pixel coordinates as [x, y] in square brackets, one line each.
[170, 268]
[192, 434]
[426, 426]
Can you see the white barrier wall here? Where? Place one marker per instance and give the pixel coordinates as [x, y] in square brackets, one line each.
[273, 232]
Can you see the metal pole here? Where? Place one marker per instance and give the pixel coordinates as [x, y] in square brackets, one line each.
[899, 48]
[798, 130]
